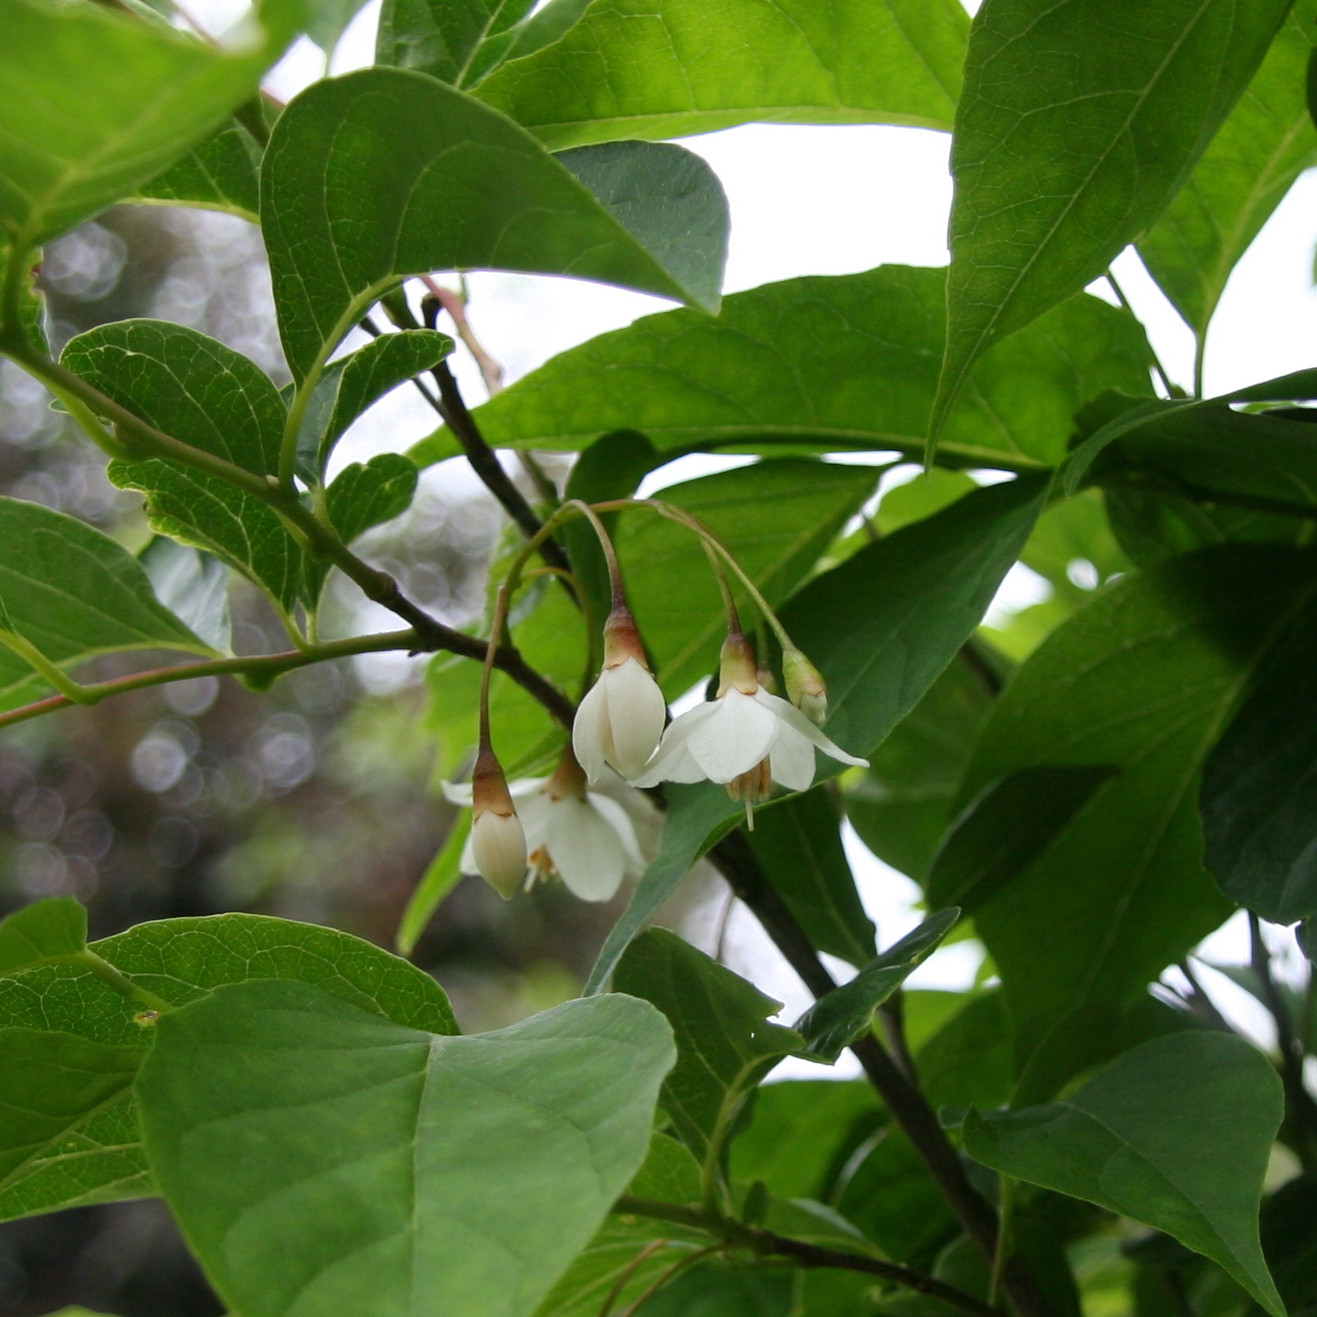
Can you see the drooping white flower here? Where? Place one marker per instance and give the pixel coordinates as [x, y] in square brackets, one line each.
[746, 739]
[620, 720]
[581, 836]
[497, 843]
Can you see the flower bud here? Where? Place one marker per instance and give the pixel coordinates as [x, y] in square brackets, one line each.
[737, 668]
[621, 718]
[498, 843]
[806, 688]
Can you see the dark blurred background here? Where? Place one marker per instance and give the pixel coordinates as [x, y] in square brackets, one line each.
[317, 801]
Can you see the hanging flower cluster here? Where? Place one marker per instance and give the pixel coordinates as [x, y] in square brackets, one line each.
[747, 738]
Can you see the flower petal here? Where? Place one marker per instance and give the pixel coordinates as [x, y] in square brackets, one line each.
[672, 761]
[735, 740]
[498, 846]
[459, 793]
[619, 820]
[636, 714]
[585, 850]
[793, 718]
[590, 735]
[791, 761]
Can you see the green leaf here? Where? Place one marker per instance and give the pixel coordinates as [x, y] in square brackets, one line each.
[1128, 1141]
[1008, 826]
[40, 932]
[99, 102]
[881, 628]
[70, 592]
[801, 1134]
[49, 1012]
[321, 1159]
[838, 362]
[798, 846]
[1289, 1241]
[452, 42]
[725, 1288]
[724, 1044]
[901, 805]
[970, 1060]
[839, 1018]
[193, 585]
[1142, 679]
[628, 69]
[365, 496]
[1265, 144]
[1259, 792]
[222, 172]
[385, 173]
[205, 394]
[377, 369]
[884, 625]
[1077, 126]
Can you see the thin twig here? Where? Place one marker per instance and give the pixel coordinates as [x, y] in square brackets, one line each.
[767, 1243]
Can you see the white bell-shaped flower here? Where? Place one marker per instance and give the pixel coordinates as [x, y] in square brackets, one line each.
[620, 720]
[746, 739]
[497, 844]
[583, 837]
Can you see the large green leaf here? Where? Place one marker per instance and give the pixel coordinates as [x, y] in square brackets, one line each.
[70, 1043]
[452, 42]
[1142, 679]
[386, 173]
[1265, 144]
[40, 932]
[725, 1044]
[97, 103]
[1078, 124]
[321, 1159]
[1129, 1141]
[839, 1018]
[635, 68]
[1259, 795]
[881, 628]
[222, 172]
[798, 846]
[213, 398]
[69, 592]
[901, 806]
[839, 362]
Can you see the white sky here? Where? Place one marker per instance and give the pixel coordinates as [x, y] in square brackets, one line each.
[810, 200]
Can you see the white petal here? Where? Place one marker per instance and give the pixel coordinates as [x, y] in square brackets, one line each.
[467, 864]
[534, 812]
[736, 740]
[792, 716]
[498, 846]
[672, 761]
[585, 850]
[459, 793]
[636, 714]
[792, 760]
[590, 736]
[521, 787]
[619, 820]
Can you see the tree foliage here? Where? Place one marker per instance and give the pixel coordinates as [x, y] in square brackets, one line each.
[1088, 791]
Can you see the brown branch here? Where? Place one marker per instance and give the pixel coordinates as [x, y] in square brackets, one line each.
[768, 1243]
[907, 1104]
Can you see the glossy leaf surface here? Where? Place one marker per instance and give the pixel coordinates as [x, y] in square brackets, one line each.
[629, 69]
[841, 362]
[725, 1044]
[385, 173]
[98, 103]
[1076, 127]
[222, 172]
[1128, 1141]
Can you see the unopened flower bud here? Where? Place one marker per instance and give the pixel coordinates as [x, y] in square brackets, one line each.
[806, 688]
[737, 669]
[621, 718]
[498, 843]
